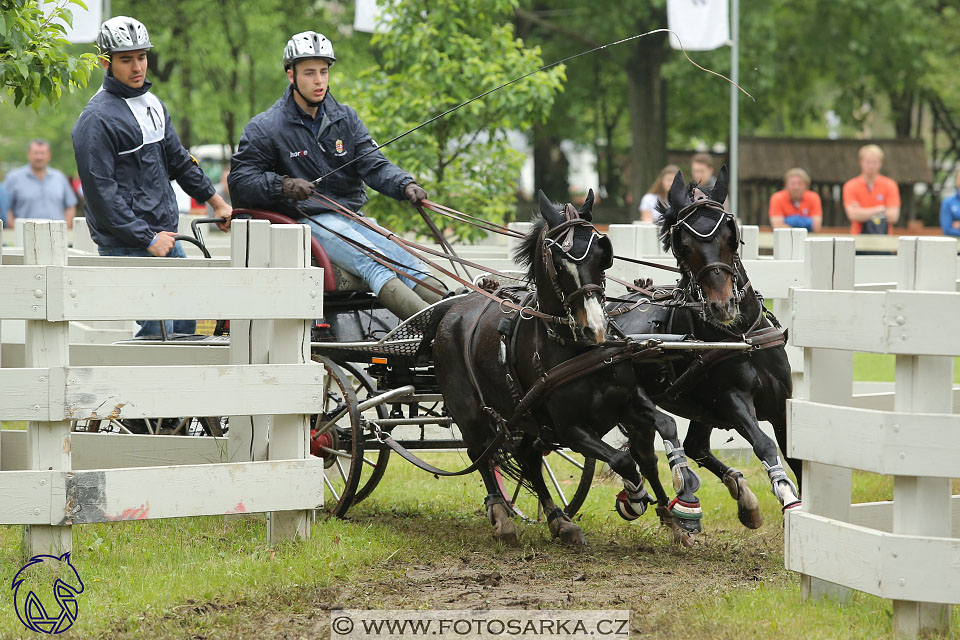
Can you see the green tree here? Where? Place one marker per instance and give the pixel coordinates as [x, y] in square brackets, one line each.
[34, 61]
[437, 54]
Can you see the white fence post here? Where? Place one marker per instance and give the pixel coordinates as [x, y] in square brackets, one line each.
[290, 343]
[921, 506]
[249, 341]
[788, 244]
[47, 345]
[750, 234]
[828, 378]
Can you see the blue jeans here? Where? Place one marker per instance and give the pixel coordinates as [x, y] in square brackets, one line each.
[152, 327]
[349, 258]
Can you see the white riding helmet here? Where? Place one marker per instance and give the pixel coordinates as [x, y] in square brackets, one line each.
[123, 34]
[308, 44]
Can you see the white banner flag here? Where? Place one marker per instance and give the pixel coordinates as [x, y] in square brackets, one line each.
[702, 25]
[366, 16]
[86, 22]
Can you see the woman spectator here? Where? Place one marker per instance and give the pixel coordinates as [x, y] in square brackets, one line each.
[657, 193]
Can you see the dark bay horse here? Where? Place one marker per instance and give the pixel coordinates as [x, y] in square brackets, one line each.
[715, 301]
[486, 360]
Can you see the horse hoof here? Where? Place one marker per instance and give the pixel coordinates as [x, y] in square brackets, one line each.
[748, 508]
[506, 533]
[683, 538]
[571, 534]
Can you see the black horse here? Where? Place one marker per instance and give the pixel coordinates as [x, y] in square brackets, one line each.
[485, 363]
[714, 301]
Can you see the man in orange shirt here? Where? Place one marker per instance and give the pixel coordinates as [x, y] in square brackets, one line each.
[796, 205]
[871, 200]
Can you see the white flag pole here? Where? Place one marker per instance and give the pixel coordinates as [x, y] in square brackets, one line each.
[734, 103]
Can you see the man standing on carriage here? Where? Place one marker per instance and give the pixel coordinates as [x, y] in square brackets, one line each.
[306, 134]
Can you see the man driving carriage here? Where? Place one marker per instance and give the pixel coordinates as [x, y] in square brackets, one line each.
[306, 134]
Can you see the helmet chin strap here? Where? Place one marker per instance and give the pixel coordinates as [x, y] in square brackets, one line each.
[296, 87]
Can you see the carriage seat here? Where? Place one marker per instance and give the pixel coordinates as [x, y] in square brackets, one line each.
[335, 279]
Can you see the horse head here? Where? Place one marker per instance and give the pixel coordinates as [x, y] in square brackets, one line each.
[566, 258]
[705, 240]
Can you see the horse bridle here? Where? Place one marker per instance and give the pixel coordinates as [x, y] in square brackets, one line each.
[693, 289]
[561, 237]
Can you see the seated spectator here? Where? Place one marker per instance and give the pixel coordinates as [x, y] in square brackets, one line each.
[796, 206]
[871, 200]
[950, 212]
[657, 193]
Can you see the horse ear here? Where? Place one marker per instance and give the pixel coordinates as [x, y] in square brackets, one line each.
[548, 210]
[586, 211]
[721, 186]
[678, 191]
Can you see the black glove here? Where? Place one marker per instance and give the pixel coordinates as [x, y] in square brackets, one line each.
[414, 193]
[297, 188]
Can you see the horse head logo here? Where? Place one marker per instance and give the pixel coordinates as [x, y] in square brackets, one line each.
[45, 593]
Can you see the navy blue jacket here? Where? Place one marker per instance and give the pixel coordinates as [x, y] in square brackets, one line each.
[127, 153]
[277, 144]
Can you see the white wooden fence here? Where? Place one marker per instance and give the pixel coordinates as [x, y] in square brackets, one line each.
[908, 549]
[48, 484]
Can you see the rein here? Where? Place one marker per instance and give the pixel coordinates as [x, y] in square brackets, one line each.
[418, 250]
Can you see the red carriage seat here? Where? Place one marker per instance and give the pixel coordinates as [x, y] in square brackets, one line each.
[334, 278]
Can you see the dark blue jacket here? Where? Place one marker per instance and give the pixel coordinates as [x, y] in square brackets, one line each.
[276, 143]
[127, 153]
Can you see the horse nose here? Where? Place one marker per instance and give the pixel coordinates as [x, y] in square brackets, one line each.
[594, 336]
[723, 310]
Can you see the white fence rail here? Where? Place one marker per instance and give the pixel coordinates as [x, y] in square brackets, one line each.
[908, 549]
[269, 293]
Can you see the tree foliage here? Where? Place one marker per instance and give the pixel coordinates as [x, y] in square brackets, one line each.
[35, 64]
[435, 55]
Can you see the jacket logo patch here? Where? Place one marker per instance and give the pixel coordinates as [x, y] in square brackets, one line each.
[339, 146]
[298, 154]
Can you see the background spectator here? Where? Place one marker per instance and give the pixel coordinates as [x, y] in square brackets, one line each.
[950, 212]
[657, 193]
[37, 190]
[4, 207]
[871, 200]
[795, 205]
[701, 166]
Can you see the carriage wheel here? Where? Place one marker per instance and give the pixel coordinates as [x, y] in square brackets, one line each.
[568, 476]
[336, 436]
[374, 460]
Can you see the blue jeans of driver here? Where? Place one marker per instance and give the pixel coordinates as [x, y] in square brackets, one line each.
[349, 258]
[152, 327]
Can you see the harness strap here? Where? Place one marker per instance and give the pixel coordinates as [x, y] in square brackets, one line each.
[417, 249]
[576, 367]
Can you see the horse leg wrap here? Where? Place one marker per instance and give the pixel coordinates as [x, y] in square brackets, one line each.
[677, 459]
[491, 500]
[557, 513]
[632, 502]
[782, 487]
[687, 514]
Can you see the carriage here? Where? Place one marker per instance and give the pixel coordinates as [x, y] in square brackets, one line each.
[382, 396]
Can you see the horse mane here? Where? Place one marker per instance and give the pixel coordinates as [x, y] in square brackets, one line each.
[526, 252]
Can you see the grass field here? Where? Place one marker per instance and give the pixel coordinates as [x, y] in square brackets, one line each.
[420, 542]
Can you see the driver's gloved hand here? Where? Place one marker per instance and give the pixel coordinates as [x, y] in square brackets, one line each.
[297, 188]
